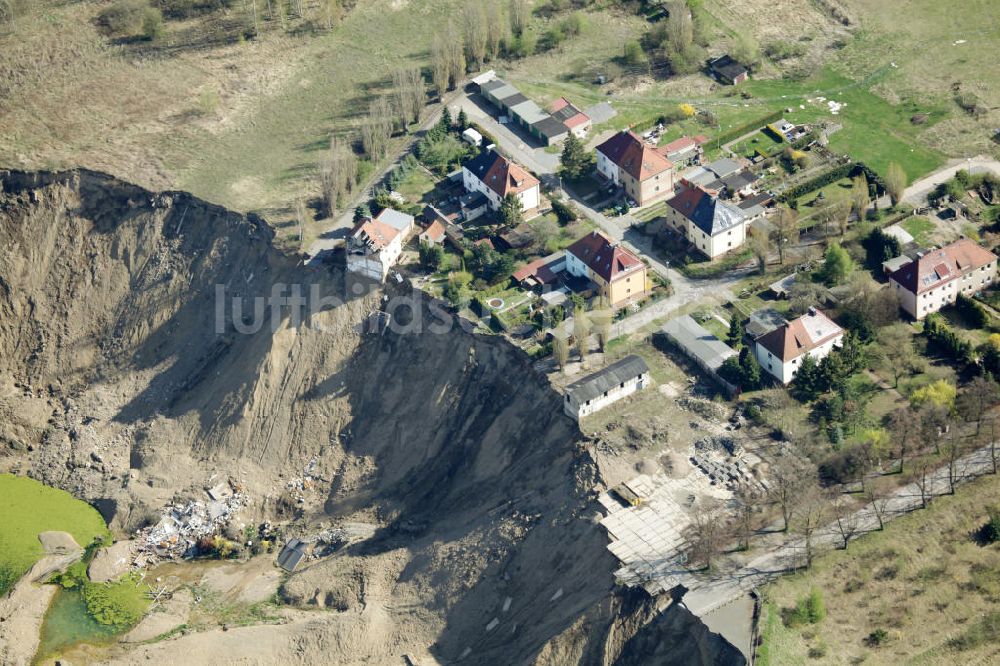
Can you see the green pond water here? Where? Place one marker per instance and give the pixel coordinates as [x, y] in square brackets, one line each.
[67, 624]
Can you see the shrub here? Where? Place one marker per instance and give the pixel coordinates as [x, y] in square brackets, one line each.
[152, 24]
[564, 212]
[842, 467]
[123, 17]
[990, 531]
[877, 638]
[973, 312]
[987, 630]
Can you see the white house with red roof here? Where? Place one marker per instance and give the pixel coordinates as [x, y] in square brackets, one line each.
[781, 350]
[642, 170]
[936, 278]
[494, 176]
[373, 247]
[619, 274]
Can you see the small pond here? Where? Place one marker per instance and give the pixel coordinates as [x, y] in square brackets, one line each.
[67, 623]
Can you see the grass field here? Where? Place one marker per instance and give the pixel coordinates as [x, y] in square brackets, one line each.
[29, 507]
[923, 581]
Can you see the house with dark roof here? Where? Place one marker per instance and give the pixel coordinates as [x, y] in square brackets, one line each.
[640, 169]
[936, 277]
[726, 70]
[494, 176]
[781, 350]
[619, 274]
[710, 224]
[607, 386]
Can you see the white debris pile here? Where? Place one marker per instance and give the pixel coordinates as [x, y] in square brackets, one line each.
[307, 481]
[835, 106]
[181, 525]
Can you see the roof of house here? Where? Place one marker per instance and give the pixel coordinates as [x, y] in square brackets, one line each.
[709, 350]
[682, 144]
[291, 555]
[395, 219]
[724, 166]
[634, 156]
[727, 67]
[543, 269]
[564, 111]
[500, 174]
[596, 384]
[942, 265]
[759, 199]
[603, 256]
[708, 213]
[550, 127]
[799, 336]
[498, 89]
[434, 231]
[374, 233]
[764, 321]
[526, 110]
[784, 285]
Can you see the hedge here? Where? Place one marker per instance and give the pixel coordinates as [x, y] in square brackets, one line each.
[849, 170]
[946, 340]
[737, 132]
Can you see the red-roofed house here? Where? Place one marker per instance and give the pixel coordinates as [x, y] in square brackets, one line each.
[573, 118]
[780, 351]
[373, 248]
[495, 176]
[936, 278]
[620, 275]
[434, 233]
[683, 149]
[644, 173]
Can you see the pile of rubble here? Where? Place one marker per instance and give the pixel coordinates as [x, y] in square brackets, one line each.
[730, 473]
[181, 525]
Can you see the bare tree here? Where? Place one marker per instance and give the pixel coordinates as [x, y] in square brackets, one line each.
[860, 196]
[496, 29]
[476, 33]
[456, 56]
[520, 15]
[786, 231]
[900, 357]
[760, 244]
[377, 129]
[581, 332]
[748, 501]
[338, 173]
[895, 182]
[788, 484]
[680, 26]
[922, 478]
[408, 86]
[934, 423]
[331, 11]
[953, 449]
[560, 347]
[978, 397]
[301, 218]
[602, 318]
[440, 64]
[847, 519]
[704, 535]
[810, 514]
[989, 432]
[903, 427]
[878, 501]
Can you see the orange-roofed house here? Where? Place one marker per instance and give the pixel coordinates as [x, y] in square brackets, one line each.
[936, 278]
[495, 177]
[373, 248]
[644, 173]
[573, 118]
[619, 274]
[780, 351]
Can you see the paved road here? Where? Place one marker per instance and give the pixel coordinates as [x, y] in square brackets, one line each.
[708, 595]
[916, 194]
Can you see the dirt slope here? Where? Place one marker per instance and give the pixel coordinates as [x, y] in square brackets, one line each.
[118, 383]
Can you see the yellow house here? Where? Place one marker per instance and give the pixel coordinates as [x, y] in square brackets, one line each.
[619, 274]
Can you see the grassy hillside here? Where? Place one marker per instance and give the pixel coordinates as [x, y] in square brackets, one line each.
[921, 592]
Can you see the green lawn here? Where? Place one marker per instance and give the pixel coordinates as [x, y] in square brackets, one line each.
[920, 228]
[29, 507]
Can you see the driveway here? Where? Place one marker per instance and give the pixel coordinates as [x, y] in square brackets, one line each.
[511, 141]
[916, 194]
